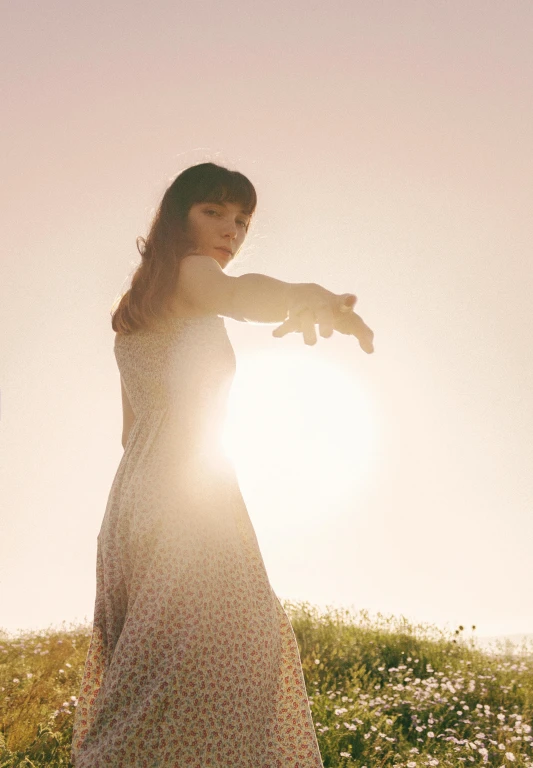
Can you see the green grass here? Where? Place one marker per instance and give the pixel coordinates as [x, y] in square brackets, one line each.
[382, 693]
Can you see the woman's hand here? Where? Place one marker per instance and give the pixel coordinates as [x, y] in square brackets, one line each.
[331, 311]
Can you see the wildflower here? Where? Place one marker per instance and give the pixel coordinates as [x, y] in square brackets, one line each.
[510, 756]
[29, 674]
[411, 764]
[317, 661]
[16, 680]
[431, 735]
[345, 754]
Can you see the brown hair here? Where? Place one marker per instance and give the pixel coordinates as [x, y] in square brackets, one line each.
[152, 291]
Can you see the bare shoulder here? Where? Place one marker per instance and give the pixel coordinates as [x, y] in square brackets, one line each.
[203, 288]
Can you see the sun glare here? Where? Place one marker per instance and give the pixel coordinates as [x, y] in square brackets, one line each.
[300, 433]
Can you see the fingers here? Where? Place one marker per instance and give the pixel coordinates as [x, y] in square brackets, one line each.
[335, 315]
[306, 319]
[364, 335]
[282, 330]
[325, 320]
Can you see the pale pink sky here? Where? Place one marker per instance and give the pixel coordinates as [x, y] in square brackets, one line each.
[391, 148]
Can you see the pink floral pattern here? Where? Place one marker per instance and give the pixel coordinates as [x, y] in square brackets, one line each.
[193, 661]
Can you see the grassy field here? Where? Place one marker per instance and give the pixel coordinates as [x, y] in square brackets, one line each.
[382, 692]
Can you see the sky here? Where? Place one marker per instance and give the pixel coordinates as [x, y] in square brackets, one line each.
[390, 145]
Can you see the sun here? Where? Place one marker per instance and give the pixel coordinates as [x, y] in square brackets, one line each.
[301, 435]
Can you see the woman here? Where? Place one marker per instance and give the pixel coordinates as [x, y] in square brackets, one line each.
[193, 661]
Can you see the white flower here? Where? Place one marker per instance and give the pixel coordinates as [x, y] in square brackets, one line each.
[510, 756]
[345, 754]
[411, 764]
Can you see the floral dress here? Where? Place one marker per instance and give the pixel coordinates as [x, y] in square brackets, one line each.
[193, 662]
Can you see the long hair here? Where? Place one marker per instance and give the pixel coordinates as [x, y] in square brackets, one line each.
[151, 295]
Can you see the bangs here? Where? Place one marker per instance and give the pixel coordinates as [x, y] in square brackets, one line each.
[227, 187]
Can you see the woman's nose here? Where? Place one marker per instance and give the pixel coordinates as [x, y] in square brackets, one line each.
[230, 228]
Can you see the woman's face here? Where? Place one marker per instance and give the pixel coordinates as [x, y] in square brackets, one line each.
[214, 227]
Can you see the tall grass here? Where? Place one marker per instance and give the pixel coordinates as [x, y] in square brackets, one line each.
[382, 692]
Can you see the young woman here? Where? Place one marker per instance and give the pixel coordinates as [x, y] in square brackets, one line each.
[193, 661]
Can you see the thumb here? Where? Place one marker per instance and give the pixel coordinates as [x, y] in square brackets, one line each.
[347, 301]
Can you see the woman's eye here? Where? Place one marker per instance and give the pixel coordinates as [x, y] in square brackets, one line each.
[211, 210]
